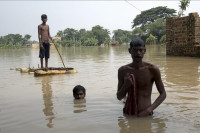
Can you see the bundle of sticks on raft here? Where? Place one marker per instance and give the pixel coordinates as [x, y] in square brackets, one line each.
[47, 71]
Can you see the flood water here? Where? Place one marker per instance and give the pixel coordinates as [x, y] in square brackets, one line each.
[31, 104]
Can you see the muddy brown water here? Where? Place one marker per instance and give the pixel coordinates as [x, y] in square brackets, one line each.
[31, 104]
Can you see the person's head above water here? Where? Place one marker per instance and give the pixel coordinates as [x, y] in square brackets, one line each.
[79, 92]
[138, 42]
[137, 49]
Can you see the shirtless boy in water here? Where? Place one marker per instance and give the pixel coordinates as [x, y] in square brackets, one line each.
[44, 36]
[145, 75]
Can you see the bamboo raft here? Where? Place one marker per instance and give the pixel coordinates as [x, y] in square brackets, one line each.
[49, 71]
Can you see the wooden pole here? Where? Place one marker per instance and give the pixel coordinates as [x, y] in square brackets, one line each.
[59, 54]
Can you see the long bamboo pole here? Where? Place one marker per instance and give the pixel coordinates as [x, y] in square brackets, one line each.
[59, 54]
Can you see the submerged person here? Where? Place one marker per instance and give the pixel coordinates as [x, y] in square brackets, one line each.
[44, 36]
[137, 79]
[79, 92]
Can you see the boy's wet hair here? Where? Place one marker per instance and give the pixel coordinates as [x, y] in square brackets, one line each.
[78, 88]
[138, 42]
[44, 16]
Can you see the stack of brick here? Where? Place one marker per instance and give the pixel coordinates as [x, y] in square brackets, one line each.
[183, 35]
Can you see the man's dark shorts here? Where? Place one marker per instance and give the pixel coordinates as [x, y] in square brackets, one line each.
[46, 51]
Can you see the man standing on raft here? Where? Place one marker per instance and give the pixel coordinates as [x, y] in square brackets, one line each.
[44, 36]
[137, 79]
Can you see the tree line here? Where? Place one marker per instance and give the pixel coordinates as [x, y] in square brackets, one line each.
[15, 40]
[95, 37]
[150, 25]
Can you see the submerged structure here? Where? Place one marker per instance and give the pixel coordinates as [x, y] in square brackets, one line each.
[183, 35]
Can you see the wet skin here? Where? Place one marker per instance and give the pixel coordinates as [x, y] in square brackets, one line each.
[145, 75]
[43, 32]
[43, 35]
[79, 95]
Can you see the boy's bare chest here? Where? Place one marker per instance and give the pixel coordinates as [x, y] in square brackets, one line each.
[44, 28]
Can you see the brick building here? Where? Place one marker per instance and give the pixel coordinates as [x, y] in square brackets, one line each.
[183, 35]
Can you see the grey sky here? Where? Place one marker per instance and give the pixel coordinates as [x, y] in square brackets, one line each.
[23, 17]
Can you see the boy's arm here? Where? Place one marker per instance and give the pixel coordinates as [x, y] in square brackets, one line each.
[161, 90]
[39, 37]
[49, 33]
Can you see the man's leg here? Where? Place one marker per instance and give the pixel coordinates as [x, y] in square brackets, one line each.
[41, 61]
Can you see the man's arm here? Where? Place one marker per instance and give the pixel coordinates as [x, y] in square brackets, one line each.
[161, 90]
[123, 84]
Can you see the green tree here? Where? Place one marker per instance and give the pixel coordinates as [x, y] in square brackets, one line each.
[80, 34]
[14, 40]
[91, 42]
[83, 35]
[100, 34]
[183, 5]
[70, 33]
[149, 16]
[9, 39]
[151, 39]
[9, 45]
[122, 36]
[137, 32]
[78, 43]
[163, 39]
[74, 37]
[58, 43]
[157, 28]
[107, 41]
[63, 43]
[60, 34]
[26, 38]
[18, 45]
[69, 43]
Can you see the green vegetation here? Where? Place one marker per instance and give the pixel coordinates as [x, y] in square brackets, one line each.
[157, 28]
[14, 40]
[122, 36]
[183, 5]
[151, 39]
[163, 39]
[71, 37]
[149, 16]
[150, 25]
[138, 32]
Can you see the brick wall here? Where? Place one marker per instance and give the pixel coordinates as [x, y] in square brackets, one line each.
[183, 35]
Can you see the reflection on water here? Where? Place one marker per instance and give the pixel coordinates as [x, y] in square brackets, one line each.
[97, 71]
[141, 125]
[79, 105]
[47, 97]
[179, 69]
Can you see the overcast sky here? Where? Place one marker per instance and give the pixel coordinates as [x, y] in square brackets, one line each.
[23, 17]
